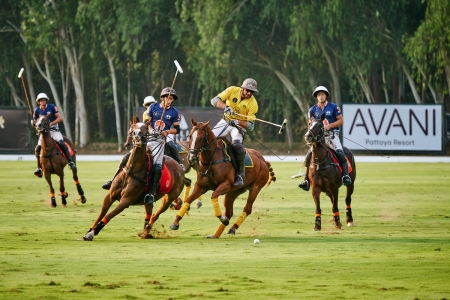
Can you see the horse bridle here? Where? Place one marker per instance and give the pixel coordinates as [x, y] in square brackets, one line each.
[315, 138]
[203, 148]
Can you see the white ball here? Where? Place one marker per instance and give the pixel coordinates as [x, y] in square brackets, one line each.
[256, 241]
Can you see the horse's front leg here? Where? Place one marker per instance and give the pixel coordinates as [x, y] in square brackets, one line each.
[335, 208]
[198, 191]
[223, 188]
[62, 190]
[101, 220]
[316, 196]
[52, 190]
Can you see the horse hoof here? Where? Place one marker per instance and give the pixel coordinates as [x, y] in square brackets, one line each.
[225, 221]
[316, 229]
[63, 205]
[89, 236]
[174, 226]
[211, 236]
[83, 199]
[232, 231]
[199, 203]
[350, 224]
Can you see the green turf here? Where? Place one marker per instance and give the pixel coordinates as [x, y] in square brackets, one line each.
[399, 247]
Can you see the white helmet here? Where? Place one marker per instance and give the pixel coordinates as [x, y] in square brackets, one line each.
[41, 96]
[321, 88]
[149, 100]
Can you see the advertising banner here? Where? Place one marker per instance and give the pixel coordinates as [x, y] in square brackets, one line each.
[14, 130]
[393, 127]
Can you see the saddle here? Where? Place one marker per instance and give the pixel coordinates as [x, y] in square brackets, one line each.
[231, 155]
[336, 160]
[71, 151]
[165, 183]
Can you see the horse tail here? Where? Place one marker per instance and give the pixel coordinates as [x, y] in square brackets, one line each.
[272, 176]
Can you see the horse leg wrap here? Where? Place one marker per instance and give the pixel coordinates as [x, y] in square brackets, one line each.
[80, 190]
[216, 206]
[186, 193]
[183, 209]
[240, 219]
[99, 227]
[219, 231]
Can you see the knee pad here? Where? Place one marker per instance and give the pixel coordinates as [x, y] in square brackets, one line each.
[238, 147]
[37, 150]
[124, 161]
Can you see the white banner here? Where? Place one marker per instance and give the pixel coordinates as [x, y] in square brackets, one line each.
[392, 127]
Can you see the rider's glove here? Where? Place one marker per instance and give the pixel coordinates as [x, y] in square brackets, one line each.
[228, 110]
[32, 122]
[233, 122]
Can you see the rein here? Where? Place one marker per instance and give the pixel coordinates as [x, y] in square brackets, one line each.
[318, 139]
[207, 147]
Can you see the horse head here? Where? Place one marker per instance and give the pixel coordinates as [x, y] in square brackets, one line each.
[138, 132]
[198, 139]
[42, 124]
[316, 131]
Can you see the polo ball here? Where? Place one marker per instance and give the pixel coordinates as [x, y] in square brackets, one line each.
[256, 241]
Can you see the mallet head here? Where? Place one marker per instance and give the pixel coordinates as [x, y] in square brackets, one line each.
[282, 126]
[178, 66]
[20, 73]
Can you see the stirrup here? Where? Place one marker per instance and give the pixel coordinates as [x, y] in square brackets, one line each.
[238, 180]
[38, 172]
[72, 165]
[149, 199]
[346, 180]
[107, 185]
[304, 185]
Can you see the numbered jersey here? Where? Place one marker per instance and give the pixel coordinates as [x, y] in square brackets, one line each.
[331, 111]
[171, 115]
[247, 107]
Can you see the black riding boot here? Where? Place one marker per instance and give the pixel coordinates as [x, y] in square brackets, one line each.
[151, 196]
[173, 150]
[37, 153]
[240, 157]
[65, 150]
[122, 164]
[305, 182]
[346, 180]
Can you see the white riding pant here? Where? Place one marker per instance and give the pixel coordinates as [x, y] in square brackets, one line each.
[222, 129]
[333, 141]
[56, 136]
[156, 149]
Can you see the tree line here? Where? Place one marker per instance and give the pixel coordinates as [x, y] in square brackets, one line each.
[98, 59]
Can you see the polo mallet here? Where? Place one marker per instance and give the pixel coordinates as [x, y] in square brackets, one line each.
[171, 88]
[282, 126]
[25, 90]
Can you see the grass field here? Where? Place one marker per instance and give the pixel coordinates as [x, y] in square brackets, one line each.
[399, 247]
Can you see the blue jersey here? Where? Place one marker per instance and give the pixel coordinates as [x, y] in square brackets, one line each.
[171, 115]
[331, 111]
[49, 108]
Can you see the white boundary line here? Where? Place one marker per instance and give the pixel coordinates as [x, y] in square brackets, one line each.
[270, 158]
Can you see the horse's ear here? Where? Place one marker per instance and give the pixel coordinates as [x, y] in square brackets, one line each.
[193, 122]
[322, 117]
[207, 123]
[135, 120]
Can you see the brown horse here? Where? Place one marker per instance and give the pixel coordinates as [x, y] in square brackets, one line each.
[325, 175]
[53, 161]
[129, 186]
[216, 172]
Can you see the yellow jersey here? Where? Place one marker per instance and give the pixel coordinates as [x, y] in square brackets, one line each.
[247, 107]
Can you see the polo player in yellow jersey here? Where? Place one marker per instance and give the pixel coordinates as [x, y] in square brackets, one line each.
[239, 100]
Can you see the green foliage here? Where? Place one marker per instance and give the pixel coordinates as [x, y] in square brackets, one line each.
[398, 248]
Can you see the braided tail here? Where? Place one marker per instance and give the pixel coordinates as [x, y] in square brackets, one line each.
[271, 173]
